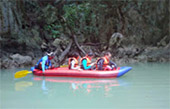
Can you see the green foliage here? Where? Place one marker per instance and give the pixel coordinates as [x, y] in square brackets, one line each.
[96, 20]
[99, 19]
[54, 30]
[80, 17]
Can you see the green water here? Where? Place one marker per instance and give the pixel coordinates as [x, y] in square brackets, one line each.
[146, 86]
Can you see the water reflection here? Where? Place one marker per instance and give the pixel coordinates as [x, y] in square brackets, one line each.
[82, 84]
[22, 85]
[75, 85]
[44, 88]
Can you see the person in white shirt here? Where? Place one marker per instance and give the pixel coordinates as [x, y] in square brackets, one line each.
[73, 62]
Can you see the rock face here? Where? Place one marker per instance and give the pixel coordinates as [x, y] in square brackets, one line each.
[157, 54]
[115, 40]
[21, 59]
[16, 60]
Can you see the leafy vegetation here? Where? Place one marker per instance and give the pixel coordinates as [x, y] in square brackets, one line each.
[140, 22]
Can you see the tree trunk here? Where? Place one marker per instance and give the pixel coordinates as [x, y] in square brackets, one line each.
[77, 44]
[122, 18]
[73, 36]
[64, 53]
[10, 17]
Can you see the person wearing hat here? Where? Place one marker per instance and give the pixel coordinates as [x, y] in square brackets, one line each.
[86, 62]
[45, 62]
[104, 63]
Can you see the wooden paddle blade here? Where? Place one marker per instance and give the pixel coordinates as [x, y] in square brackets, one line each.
[22, 73]
[64, 66]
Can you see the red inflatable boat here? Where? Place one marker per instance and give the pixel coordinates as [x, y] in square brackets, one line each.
[65, 72]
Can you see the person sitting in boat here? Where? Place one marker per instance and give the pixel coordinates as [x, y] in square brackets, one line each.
[86, 62]
[104, 63]
[45, 62]
[73, 61]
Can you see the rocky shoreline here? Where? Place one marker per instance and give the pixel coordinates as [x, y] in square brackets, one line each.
[126, 55]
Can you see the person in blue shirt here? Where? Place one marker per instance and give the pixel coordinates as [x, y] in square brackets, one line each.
[45, 62]
[86, 62]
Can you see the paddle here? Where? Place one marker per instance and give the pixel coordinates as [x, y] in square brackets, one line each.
[64, 66]
[24, 73]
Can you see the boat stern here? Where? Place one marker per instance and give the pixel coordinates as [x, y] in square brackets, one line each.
[123, 70]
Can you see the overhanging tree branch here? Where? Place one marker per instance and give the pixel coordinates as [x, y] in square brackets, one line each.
[73, 36]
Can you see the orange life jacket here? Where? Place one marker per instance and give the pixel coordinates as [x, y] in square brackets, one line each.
[88, 61]
[106, 62]
[69, 62]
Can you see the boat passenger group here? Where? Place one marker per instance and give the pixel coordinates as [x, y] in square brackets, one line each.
[102, 63]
